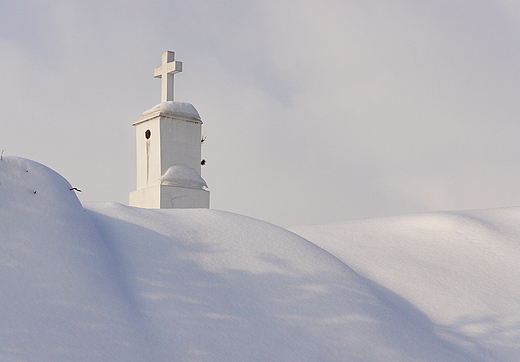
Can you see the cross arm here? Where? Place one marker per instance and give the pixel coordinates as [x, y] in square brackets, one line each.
[171, 68]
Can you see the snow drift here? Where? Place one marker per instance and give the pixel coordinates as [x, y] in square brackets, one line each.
[461, 269]
[107, 282]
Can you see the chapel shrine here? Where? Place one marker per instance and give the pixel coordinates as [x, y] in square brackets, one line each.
[168, 146]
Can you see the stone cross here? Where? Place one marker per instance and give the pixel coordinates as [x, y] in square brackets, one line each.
[165, 71]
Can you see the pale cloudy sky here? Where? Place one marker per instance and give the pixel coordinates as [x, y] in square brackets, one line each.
[314, 111]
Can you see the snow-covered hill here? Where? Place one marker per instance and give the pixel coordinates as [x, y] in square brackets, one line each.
[107, 282]
[460, 270]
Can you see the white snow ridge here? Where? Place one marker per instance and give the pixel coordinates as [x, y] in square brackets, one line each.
[107, 282]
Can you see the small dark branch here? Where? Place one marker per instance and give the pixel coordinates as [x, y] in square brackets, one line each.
[2, 155]
[203, 139]
[75, 189]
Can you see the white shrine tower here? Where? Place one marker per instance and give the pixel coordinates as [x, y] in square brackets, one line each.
[169, 142]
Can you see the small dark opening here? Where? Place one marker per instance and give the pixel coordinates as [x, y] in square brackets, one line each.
[147, 134]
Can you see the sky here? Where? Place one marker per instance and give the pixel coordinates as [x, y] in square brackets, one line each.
[314, 111]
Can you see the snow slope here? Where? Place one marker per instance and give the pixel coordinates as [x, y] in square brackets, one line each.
[461, 269]
[60, 296]
[107, 282]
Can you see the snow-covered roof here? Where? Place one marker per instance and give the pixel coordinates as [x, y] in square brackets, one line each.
[176, 109]
[183, 176]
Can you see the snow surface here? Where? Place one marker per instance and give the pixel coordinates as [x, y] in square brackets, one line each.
[459, 272]
[183, 176]
[181, 109]
[107, 282]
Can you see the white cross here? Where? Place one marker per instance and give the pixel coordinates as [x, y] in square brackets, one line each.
[165, 71]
